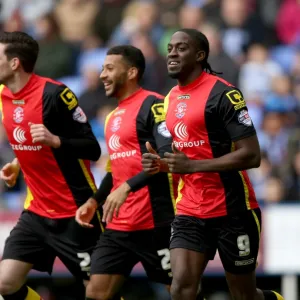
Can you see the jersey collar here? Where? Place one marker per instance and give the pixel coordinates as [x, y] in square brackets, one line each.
[194, 83]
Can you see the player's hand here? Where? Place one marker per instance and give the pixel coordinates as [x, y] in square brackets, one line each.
[10, 172]
[151, 161]
[40, 134]
[114, 201]
[178, 162]
[86, 212]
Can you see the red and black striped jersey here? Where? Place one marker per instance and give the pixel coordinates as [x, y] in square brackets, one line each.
[58, 180]
[138, 119]
[205, 118]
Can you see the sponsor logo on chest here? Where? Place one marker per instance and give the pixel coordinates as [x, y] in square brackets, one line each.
[182, 137]
[19, 135]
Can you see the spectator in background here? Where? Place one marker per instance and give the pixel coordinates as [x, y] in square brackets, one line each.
[155, 76]
[273, 138]
[27, 11]
[188, 17]
[139, 16]
[218, 59]
[293, 182]
[274, 190]
[108, 18]
[241, 27]
[98, 122]
[76, 19]
[55, 58]
[288, 22]
[257, 72]
[280, 99]
[260, 176]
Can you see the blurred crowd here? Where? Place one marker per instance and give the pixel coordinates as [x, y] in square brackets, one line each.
[254, 43]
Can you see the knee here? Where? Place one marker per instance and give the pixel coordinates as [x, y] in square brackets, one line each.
[242, 294]
[183, 286]
[7, 286]
[96, 292]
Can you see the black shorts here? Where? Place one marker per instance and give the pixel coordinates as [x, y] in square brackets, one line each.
[117, 252]
[38, 240]
[235, 237]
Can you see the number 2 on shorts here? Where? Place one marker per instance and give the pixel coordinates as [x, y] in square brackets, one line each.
[85, 260]
[165, 261]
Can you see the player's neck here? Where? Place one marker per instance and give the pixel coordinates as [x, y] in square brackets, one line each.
[18, 81]
[127, 92]
[191, 77]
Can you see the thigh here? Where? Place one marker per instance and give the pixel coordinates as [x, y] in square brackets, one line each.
[74, 244]
[152, 248]
[193, 244]
[113, 254]
[188, 267]
[104, 286]
[27, 243]
[13, 275]
[238, 242]
[194, 234]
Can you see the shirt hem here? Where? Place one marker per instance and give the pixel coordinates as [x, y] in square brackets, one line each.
[128, 228]
[50, 216]
[213, 215]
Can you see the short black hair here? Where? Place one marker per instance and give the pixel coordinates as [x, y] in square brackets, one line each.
[202, 44]
[132, 55]
[22, 46]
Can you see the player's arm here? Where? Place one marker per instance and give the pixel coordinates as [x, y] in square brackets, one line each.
[10, 172]
[78, 137]
[232, 110]
[151, 160]
[105, 187]
[85, 213]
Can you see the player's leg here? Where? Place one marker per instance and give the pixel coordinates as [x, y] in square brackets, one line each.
[192, 245]
[24, 250]
[187, 269]
[111, 263]
[152, 248]
[238, 246]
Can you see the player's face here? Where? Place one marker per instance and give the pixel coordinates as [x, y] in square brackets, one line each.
[182, 55]
[114, 74]
[6, 66]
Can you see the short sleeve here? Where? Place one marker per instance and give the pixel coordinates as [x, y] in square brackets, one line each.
[233, 112]
[157, 125]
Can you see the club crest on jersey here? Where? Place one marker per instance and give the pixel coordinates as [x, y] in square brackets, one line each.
[18, 115]
[116, 124]
[180, 110]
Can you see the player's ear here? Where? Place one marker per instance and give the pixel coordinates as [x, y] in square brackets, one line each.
[14, 63]
[132, 73]
[200, 56]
